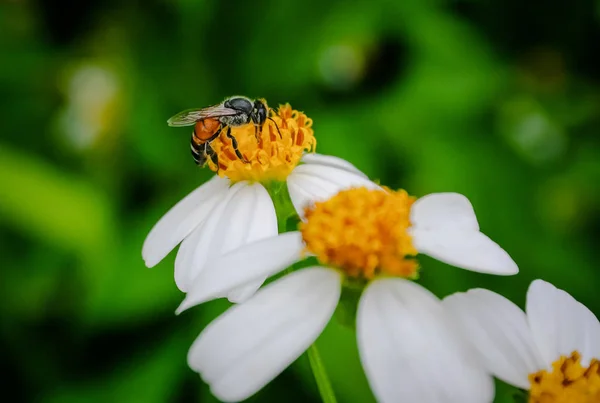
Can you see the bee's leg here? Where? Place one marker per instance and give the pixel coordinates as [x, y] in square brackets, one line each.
[209, 151]
[256, 133]
[213, 155]
[234, 143]
[214, 136]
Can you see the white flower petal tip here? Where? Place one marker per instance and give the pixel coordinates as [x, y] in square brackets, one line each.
[244, 292]
[444, 226]
[329, 160]
[467, 249]
[249, 263]
[498, 330]
[412, 352]
[560, 324]
[250, 344]
[310, 183]
[439, 210]
[181, 219]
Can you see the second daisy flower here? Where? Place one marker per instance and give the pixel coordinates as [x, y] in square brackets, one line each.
[408, 346]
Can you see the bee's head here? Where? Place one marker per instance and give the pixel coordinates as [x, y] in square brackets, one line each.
[260, 111]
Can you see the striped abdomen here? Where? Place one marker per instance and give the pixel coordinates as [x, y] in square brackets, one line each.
[204, 132]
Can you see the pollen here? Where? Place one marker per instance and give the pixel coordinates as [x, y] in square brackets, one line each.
[568, 382]
[269, 156]
[363, 232]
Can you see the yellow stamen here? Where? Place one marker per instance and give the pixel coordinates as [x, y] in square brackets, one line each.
[363, 232]
[271, 158]
[569, 382]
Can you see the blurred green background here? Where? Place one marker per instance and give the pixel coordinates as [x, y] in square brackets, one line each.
[496, 99]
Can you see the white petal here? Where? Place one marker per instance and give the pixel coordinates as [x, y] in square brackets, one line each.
[329, 160]
[263, 225]
[246, 264]
[300, 193]
[333, 179]
[410, 350]
[185, 254]
[466, 249]
[439, 210]
[228, 223]
[181, 219]
[499, 331]
[243, 292]
[309, 183]
[250, 344]
[259, 217]
[560, 324]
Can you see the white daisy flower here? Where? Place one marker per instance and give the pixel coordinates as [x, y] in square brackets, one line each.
[234, 208]
[552, 350]
[408, 347]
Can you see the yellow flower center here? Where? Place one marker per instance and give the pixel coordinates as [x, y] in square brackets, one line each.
[569, 382]
[363, 232]
[272, 156]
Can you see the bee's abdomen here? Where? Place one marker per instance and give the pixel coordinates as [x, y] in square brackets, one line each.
[198, 150]
[205, 129]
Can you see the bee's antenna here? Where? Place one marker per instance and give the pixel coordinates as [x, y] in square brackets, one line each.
[276, 125]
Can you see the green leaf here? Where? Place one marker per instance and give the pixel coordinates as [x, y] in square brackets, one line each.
[120, 287]
[54, 206]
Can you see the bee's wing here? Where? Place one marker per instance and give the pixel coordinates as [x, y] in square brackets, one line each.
[191, 116]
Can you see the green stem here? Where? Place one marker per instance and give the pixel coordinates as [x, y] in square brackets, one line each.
[285, 210]
[323, 384]
[283, 204]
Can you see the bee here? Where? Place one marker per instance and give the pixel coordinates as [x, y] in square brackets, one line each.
[210, 122]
